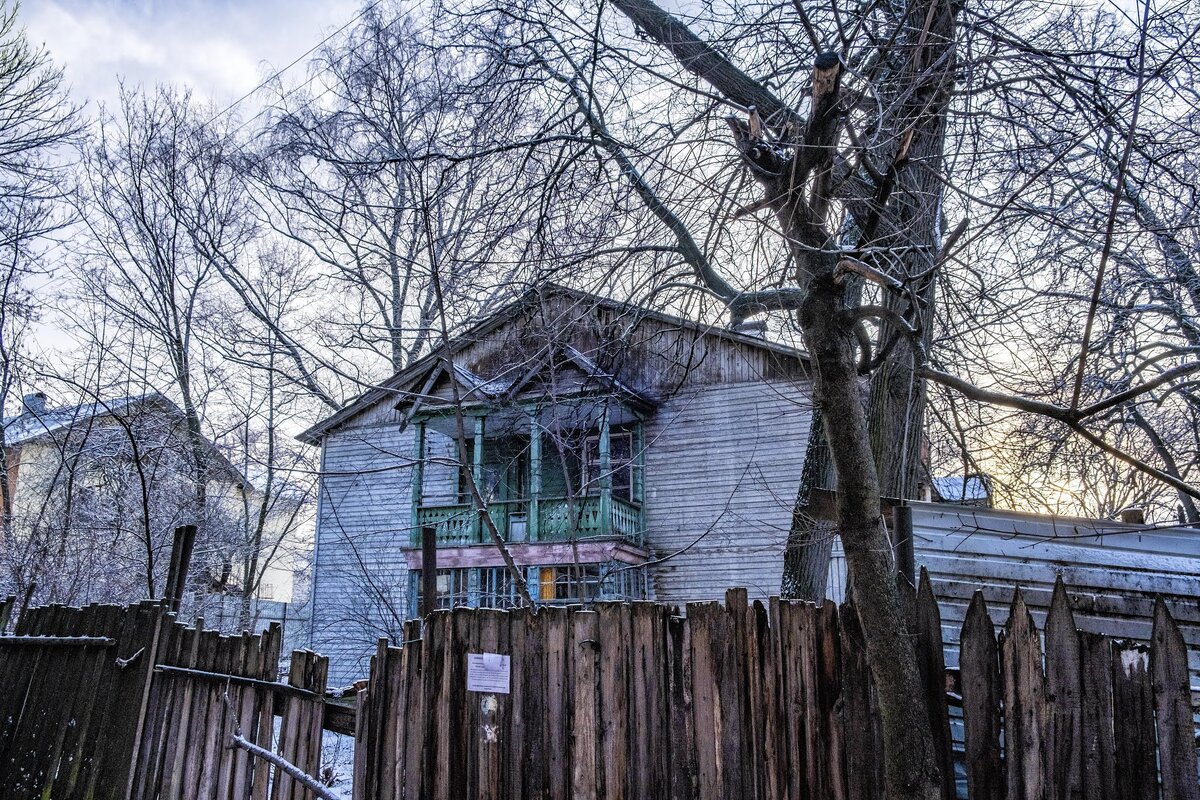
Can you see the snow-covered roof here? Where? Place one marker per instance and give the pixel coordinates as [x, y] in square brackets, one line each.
[28, 426]
[962, 489]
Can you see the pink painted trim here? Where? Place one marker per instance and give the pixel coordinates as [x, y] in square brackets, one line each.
[532, 554]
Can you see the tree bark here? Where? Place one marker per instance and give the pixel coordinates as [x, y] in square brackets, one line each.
[911, 768]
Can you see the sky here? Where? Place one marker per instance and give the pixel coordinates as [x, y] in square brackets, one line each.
[220, 49]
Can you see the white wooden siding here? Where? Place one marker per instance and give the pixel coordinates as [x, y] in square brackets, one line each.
[360, 584]
[722, 469]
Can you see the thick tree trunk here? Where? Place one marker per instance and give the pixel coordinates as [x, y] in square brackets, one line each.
[915, 78]
[911, 767]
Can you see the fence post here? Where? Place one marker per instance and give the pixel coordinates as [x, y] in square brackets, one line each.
[902, 542]
[181, 557]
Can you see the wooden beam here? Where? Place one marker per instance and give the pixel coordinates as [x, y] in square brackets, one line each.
[428, 570]
[58, 641]
[418, 478]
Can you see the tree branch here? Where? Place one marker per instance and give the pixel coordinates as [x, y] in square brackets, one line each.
[701, 59]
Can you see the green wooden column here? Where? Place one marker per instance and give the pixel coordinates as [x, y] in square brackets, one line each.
[535, 475]
[605, 475]
[477, 475]
[418, 479]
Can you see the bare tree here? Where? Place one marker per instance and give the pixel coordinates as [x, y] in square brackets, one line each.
[146, 179]
[1092, 204]
[841, 121]
[36, 124]
[347, 174]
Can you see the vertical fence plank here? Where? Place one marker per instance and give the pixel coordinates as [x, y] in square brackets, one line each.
[1173, 707]
[552, 764]
[863, 766]
[1064, 737]
[1133, 722]
[1024, 702]
[808, 668]
[414, 740]
[391, 723]
[436, 736]
[614, 627]
[493, 717]
[771, 774]
[648, 771]
[585, 660]
[706, 710]
[525, 703]
[1097, 742]
[932, 662]
[679, 700]
[792, 697]
[728, 648]
[462, 765]
[981, 693]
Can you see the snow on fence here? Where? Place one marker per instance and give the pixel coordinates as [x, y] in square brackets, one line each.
[743, 702]
[124, 702]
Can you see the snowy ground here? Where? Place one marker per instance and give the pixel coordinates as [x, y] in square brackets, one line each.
[337, 762]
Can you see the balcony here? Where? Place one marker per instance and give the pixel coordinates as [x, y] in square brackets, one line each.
[551, 520]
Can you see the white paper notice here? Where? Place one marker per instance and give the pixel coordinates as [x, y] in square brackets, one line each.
[488, 672]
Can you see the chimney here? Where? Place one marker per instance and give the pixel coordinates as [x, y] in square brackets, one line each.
[1133, 516]
[752, 327]
[34, 404]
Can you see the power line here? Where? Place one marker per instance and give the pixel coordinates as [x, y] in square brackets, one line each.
[279, 73]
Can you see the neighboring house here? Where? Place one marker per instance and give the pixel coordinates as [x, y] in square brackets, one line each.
[622, 453]
[95, 492]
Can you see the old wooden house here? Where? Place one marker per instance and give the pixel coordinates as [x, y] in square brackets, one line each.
[622, 453]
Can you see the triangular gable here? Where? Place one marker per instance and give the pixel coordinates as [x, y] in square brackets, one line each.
[573, 373]
[407, 384]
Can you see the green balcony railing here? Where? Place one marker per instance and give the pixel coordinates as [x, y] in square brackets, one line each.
[558, 520]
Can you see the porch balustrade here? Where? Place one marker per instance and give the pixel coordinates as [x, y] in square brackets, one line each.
[557, 520]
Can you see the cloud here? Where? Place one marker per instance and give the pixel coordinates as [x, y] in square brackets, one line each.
[220, 49]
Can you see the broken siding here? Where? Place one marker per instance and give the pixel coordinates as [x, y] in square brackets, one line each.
[722, 470]
[360, 582]
[1112, 571]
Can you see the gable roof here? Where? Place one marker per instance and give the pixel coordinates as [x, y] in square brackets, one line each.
[29, 426]
[394, 386]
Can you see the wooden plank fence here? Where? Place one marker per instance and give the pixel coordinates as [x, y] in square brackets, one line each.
[619, 702]
[125, 702]
[742, 702]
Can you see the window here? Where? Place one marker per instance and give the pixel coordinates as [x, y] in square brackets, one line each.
[620, 462]
[452, 587]
[568, 583]
[485, 587]
[493, 587]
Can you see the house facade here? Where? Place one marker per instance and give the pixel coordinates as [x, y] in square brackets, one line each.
[620, 453]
